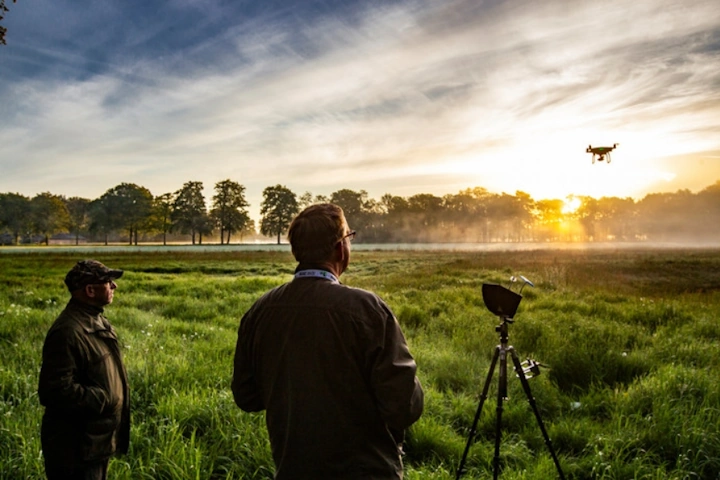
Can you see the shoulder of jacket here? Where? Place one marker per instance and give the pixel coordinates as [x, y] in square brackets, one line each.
[73, 319]
[358, 298]
[362, 294]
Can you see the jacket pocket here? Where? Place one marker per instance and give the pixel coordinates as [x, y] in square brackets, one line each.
[98, 439]
[103, 374]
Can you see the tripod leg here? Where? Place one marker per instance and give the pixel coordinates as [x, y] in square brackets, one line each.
[533, 405]
[501, 396]
[483, 397]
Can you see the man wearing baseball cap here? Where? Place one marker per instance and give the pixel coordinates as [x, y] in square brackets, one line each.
[83, 382]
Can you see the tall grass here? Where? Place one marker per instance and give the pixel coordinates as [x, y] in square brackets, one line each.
[630, 340]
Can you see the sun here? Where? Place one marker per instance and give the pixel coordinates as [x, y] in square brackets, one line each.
[571, 204]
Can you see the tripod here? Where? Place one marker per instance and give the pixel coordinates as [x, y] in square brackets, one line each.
[503, 301]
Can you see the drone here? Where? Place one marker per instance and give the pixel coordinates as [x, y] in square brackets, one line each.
[600, 153]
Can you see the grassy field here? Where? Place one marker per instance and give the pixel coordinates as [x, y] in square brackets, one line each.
[630, 339]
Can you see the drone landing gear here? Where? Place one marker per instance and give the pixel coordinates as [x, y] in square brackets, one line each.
[601, 158]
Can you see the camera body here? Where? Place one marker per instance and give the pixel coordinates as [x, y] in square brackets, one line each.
[501, 301]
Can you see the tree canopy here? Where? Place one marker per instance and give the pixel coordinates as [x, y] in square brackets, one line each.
[15, 214]
[189, 211]
[130, 206]
[229, 209]
[278, 208]
[48, 215]
[78, 215]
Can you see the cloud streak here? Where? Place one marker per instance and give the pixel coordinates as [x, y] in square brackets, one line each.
[399, 97]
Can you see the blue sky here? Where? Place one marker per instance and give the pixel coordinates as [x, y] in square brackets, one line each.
[398, 97]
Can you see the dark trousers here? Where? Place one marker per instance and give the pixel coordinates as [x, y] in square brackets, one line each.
[94, 471]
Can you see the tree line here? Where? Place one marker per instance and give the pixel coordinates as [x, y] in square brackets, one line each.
[129, 212]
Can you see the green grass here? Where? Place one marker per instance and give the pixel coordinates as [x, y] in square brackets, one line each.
[630, 339]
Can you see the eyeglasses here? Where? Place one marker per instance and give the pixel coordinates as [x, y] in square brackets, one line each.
[350, 235]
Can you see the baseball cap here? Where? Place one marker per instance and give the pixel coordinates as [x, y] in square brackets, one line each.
[87, 272]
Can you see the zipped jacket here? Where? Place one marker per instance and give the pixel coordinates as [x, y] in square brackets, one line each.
[331, 367]
[84, 389]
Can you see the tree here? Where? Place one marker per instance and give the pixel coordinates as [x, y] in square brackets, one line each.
[706, 214]
[161, 217]
[229, 208]
[618, 217]
[102, 219]
[3, 30]
[305, 200]
[78, 215]
[15, 214]
[131, 207]
[548, 217]
[278, 208]
[353, 205]
[395, 219]
[468, 211]
[526, 205]
[204, 226]
[424, 211]
[48, 215]
[588, 215]
[508, 214]
[189, 212]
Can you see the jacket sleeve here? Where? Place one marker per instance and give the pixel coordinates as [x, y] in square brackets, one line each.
[60, 384]
[245, 390]
[397, 389]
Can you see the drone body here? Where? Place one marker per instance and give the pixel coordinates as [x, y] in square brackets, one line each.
[600, 153]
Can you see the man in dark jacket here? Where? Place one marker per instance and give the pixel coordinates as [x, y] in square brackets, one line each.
[83, 383]
[328, 363]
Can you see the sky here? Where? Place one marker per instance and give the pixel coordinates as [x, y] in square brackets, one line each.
[400, 97]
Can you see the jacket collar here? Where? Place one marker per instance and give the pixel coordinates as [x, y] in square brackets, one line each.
[93, 320]
[86, 307]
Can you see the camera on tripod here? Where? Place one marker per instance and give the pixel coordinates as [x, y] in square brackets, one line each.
[501, 301]
[504, 303]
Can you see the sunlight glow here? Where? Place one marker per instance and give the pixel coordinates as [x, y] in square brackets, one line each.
[571, 204]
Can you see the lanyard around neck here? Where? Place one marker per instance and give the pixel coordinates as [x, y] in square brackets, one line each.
[318, 274]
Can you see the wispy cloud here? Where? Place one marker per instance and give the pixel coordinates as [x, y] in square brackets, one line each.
[398, 96]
